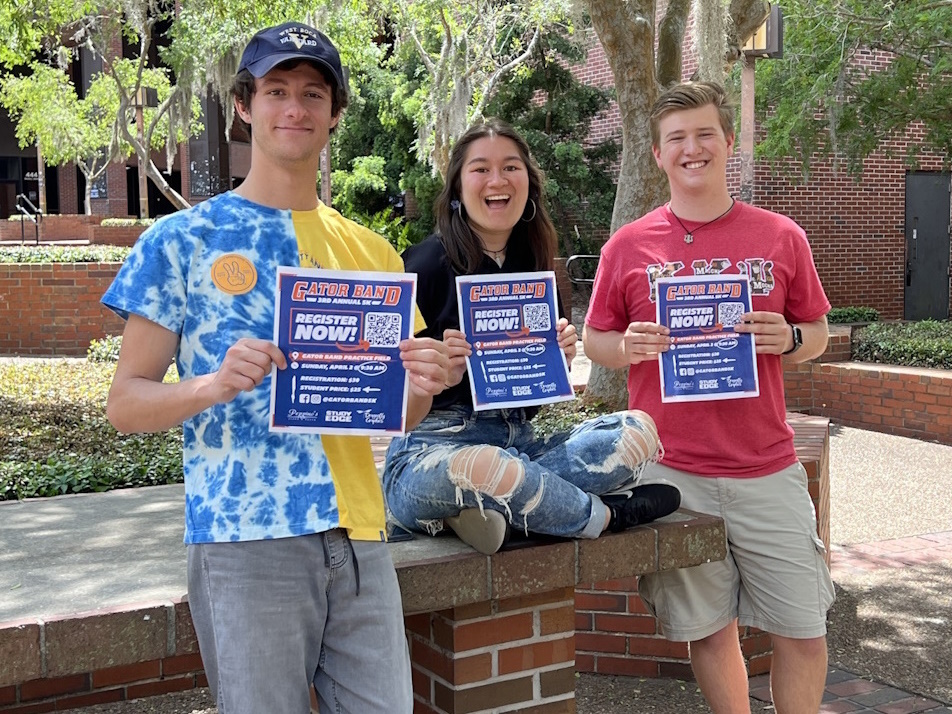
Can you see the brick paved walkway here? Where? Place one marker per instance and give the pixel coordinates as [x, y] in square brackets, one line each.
[915, 550]
[848, 693]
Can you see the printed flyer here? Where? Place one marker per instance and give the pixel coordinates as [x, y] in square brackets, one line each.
[340, 332]
[510, 321]
[707, 359]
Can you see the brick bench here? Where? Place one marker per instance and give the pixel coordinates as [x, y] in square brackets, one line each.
[484, 631]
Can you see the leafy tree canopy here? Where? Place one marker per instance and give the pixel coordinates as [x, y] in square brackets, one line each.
[466, 49]
[822, 98]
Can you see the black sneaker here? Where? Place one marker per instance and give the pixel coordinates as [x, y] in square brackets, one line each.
[644, 504]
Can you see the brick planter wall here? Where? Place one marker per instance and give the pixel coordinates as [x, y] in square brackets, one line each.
[116, 655]
[798, 381]
[71, 227]
[518, 652]
[485, 633]
[115, 235]
[905, 401]
[55, 227]
[53, 309]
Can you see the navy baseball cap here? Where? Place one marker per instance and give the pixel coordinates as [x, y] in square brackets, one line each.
[292, 40]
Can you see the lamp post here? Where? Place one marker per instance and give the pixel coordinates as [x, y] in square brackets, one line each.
[765, 43]
[143, 98]
[40, 178]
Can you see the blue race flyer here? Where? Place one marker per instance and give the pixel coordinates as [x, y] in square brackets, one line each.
[707, 359]
[510, 322]
[340, 332]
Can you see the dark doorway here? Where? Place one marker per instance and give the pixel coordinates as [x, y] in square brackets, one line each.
[51, 181]
[159, 205]
[8, 198]
[927, 245]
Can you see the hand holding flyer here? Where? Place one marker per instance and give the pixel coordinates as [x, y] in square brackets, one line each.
[341, 332]
[707, 359]
[510, 321]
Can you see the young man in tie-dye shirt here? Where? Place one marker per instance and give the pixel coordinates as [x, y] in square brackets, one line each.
[290, 580]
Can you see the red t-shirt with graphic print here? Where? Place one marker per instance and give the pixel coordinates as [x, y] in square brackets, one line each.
[733, 437]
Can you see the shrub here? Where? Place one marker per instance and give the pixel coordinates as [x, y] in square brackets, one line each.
[55, 438]
[916, 344]
[846, 315]
[63, 254]
[104, 350]
[127, 221]
[564, 416]
[398, 232]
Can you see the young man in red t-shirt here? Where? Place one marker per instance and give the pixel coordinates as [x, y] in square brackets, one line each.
[730, 457]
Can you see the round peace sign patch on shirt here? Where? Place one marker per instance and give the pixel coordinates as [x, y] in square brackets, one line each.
[234, 274]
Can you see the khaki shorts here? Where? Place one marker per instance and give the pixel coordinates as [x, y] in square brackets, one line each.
[774, 577]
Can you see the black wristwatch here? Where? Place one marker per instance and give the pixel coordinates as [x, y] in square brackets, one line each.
[797, 340]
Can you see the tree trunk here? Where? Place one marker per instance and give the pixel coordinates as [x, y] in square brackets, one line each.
[626, 31]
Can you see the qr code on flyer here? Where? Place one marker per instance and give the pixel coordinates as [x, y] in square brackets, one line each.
[729, 313]
[535, 316]
[382, 329]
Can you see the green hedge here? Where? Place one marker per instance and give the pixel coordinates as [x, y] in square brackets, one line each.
[55, 438]
[63, 254]
[846, 315]
[127, 222]
[927, 343]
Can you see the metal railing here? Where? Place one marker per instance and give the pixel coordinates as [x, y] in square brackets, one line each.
[36, 216]
[578, 280]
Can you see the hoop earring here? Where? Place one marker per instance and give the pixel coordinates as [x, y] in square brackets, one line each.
[532, 217]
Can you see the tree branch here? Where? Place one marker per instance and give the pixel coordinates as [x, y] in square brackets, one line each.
[745, 17]
[424, 55]
[671, 31]
[494, 78]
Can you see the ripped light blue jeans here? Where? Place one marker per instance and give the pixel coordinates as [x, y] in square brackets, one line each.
[458, 458]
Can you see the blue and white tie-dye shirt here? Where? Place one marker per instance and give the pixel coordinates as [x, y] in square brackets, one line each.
[207, 274]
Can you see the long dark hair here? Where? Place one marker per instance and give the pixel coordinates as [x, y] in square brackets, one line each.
[463, 246]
